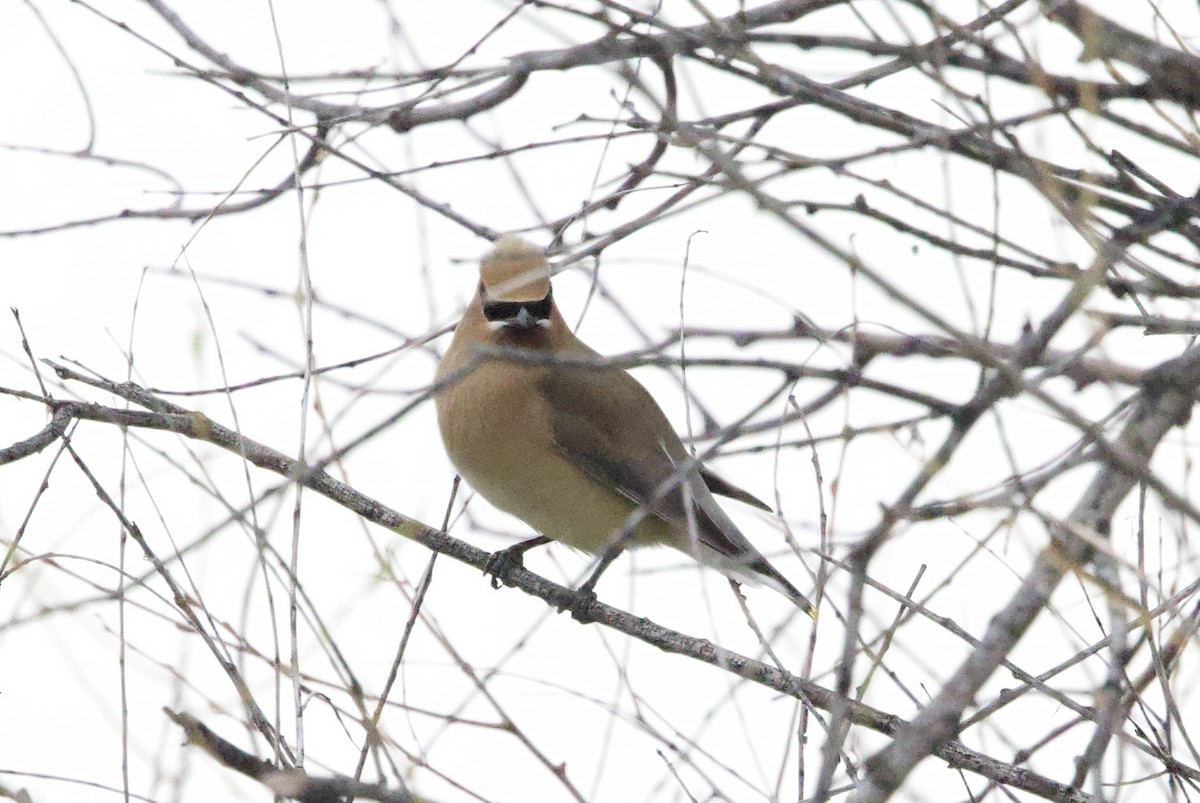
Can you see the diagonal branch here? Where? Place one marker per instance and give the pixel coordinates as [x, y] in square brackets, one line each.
[165, 416]
[294, 783]
[1174, 73]
[1166, 401]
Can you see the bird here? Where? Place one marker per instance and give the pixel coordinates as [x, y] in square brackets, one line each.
[577, 449]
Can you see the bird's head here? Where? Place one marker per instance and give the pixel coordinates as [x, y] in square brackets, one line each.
[514, 285]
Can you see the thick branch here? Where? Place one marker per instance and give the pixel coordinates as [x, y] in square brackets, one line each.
[173, 418]
[1166, 402]
[1176, 74]
[293, 783]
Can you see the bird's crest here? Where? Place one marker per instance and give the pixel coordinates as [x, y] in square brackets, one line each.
[515, 270]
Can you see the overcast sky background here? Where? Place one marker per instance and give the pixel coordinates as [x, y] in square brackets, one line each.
[199, 306]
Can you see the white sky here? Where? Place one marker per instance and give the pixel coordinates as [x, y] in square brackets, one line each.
[90, 294]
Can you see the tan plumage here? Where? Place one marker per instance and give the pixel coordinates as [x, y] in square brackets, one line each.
[574, 450]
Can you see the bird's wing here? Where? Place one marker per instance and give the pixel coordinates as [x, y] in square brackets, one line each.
[723, 487]
[606, 424]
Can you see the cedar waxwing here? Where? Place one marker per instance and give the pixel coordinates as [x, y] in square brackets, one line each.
[575, 450]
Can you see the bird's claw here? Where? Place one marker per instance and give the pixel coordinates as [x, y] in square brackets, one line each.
[501, 562]
[580, 605]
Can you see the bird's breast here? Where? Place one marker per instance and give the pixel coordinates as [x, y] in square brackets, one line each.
[497, 429]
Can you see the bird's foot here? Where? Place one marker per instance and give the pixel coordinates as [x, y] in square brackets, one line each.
[580, 605]
[501, 563]
[585, 595]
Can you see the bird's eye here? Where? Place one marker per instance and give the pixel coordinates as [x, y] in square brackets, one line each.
[522, 314]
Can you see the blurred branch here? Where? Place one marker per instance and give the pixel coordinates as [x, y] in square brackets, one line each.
[293, 783]
[833, 119]
[20, 795]
[310, 160]
[1166, 401]
[1174, 74]
[867, 346]
[1153, 325]
[611, 47]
